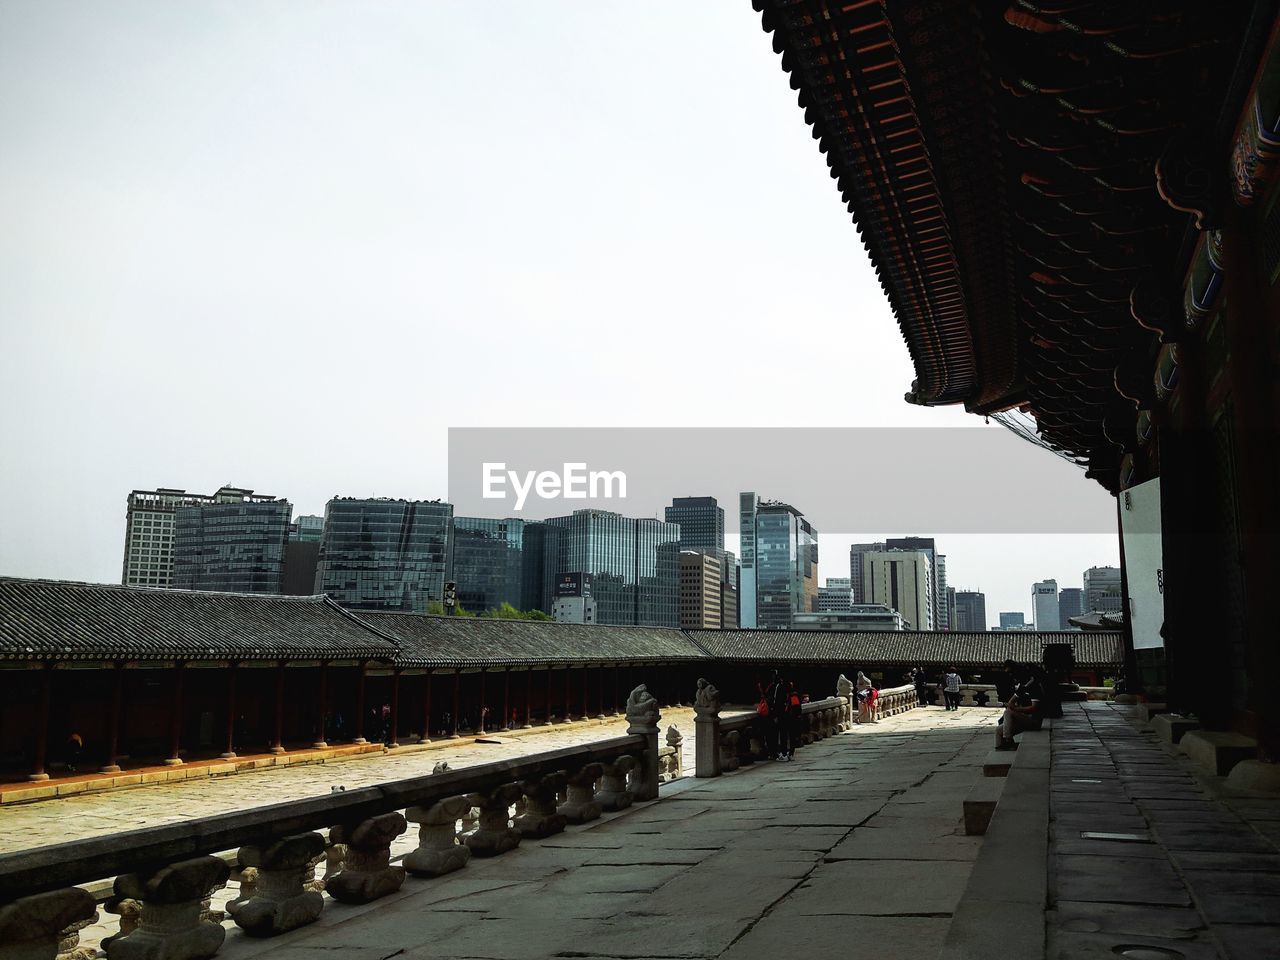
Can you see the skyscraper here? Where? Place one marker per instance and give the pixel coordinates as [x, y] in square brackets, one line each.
[1102, 590]
[1015, 620]
[307, 529]
[699, 590]
[856, 552]
[634, 565]
[1044, 605]
[385, 554]
[926, 545]
[701, 522]
[488, 562]
[1070, 604]
[835, 595]
[302, 555]
[236, 544]
[942, 606]
[779, 575]
[971, 611]
[901, 580]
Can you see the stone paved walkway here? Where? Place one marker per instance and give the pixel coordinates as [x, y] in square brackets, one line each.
[1200, 872]
[86, 815]
[855, 849]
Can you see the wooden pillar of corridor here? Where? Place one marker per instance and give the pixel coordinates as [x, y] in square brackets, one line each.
[277, 739]
[360, 682]
[42, 725]
[457, 691]
[426, 707]
[549, 672]
[175, 718]
[507, 719]
[230, 752]
[322, 696]
[481, 706]
[113, 732]
[394, 735]
[528, 697]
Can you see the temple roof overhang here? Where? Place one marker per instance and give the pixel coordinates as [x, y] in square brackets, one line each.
[1020, 173]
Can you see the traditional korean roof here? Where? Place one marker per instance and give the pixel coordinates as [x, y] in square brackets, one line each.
[905, 647]
[1027, 178]
[436, 641]
[64, 620]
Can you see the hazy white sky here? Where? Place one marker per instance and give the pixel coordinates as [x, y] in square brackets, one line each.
[287, 245]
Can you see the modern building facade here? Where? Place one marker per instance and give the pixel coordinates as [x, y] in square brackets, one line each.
[307, 528]
[572, 601]
[1044, 605]
[236, 544]
[779, 574]
[942, 604]
[541, 553]
[149, 527]
[971, 611]
[859, 616]
[1070, 604]
[835, 595]
[488, 562]
[383, 554]
[1015, 620]
[1102, 590]
[856, 553]
[634, 565]
[701, 521]
[700, 591]
[929, 547]
[901, 580]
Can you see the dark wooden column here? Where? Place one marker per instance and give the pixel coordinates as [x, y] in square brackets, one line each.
[175, 718]
[360, 717]
[550, 670]
[426, 708]
[586, 691]
[277, 744]
[457, 702]
[617, 679]
[506, 700]
[230, 752]
[480, 707]
[322, 706]
[394, 735]
[113, 732]
[528, 697]
[600, 691]
[42, 726]
[568, 693]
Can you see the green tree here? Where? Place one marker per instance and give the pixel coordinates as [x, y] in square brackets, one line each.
[437, 607]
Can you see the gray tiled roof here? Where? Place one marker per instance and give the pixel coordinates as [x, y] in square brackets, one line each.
[427, 640]
[905, 647]
[63, 620]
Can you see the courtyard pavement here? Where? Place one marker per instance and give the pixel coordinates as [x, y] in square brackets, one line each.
[854, 849]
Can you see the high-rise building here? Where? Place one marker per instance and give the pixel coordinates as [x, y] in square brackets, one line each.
[307, 529]
[1070, 604]
[1015, 620]
[236, 544]
[951, 608]
[729, 577]
[929, 546]
[836, 594]
[701, 522]
[779, 575]
[699, 591]
[302, 555]
[384, 554]
[942, 607]
[971, 611]
[903, 581]
[488, 562]
[856, 552]
[634, 565]
[538, 575]
[1044, 604]
[148, 535]
[572, 601]
[860, 616]
[1102, 590]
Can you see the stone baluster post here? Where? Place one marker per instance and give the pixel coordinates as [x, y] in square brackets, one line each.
[613, 793]
[968, 697]
[540, 818]
[706, 726]
[728, 750]
[580, 805]
[643, 717]
[45, 925]
[494, 835]
[279, 900]
[366, 872]
[675, 740]
[439, 850]
[173, 921]
[844, 689]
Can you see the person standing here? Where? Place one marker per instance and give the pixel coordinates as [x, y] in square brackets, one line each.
[864, 698]
[921, 685]
[951, 688]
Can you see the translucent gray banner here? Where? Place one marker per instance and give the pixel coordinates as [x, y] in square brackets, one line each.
[844, 480]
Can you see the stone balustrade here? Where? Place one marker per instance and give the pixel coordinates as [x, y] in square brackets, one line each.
[165, 876]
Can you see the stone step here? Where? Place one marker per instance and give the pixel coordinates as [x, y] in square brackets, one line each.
[998, 763]
[980, 804]
[1218, 751]
[1171, 727]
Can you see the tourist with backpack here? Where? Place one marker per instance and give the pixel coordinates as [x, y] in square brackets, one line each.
[788, 710]
[769, 712]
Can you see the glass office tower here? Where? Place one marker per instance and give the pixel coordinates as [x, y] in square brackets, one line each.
[701, 522]
[385, 554]
[634, 565]
[487, 562]
[779, 574]
[237, 546]
[538, 574]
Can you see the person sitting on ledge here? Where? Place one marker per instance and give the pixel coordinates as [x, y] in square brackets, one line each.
[1020, 713]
